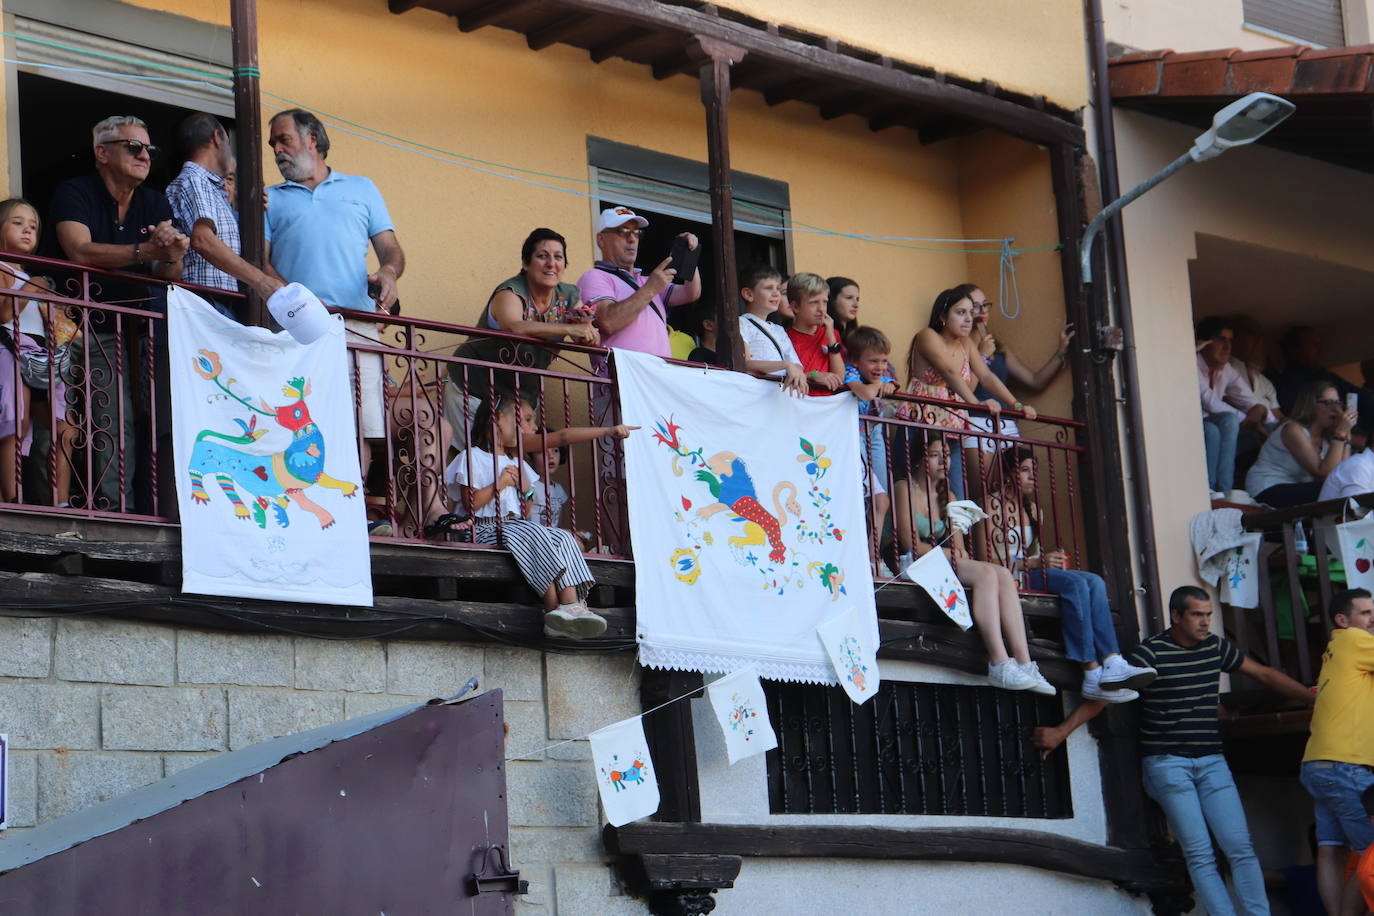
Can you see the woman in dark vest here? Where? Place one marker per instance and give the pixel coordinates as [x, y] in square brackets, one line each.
[533, 303]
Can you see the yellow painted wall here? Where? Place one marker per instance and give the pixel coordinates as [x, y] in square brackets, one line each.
[1029, 47]
[1005, 190]
[1256, 195]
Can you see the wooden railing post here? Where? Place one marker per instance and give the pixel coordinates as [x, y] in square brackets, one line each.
[716, 59]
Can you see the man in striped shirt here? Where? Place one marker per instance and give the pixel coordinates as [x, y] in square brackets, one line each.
[1181, 761]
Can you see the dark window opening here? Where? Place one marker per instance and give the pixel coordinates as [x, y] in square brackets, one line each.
[914, 749]
[55, 121]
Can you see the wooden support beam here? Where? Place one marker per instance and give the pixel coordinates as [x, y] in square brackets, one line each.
[717, 58]
[675, 64]
[787, 92]
[672, 741]
[891, 117]
[544, 36]
[847, 104]
[408, 618]
[620, 43]
[494, 12]
[1137, 869]
[936, 129]
[243, 16]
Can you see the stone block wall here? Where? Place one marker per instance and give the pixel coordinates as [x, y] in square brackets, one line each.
[96, 707]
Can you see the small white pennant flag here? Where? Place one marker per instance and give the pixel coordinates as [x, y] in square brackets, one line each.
[742, 711]
[934, 574]
[853, 652]
[1356, 541]
[1240, 578]
[624, 773]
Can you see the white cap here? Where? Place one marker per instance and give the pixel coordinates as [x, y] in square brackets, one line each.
[300, 313]
[615, 217]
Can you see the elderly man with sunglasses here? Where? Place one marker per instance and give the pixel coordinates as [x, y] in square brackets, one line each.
[631, 307]
[111, 220]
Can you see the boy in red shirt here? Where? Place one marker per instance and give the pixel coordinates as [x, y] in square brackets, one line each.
[813, 333]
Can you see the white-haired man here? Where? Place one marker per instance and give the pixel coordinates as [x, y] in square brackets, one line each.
[111, 220]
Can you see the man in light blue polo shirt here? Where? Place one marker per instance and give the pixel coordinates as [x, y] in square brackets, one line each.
[319, 223]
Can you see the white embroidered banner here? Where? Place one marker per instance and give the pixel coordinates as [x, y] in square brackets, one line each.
[746, 516]
[1240, 578]
[853, 651]
[624, 772]
[933, 573]
[742, 711]
[267, 473]
[1357, 552]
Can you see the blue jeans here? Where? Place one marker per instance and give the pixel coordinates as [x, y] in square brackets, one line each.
[1085, 617]
[1335, 789]
[1198, 793]
[1219, 432]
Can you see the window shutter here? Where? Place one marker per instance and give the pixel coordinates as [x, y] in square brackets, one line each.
[1317, 22]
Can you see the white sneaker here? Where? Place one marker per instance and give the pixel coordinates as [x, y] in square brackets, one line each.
[1038, 682]
[1009, 676]
[581, 621]
[559, 622]
[1116, 674]
[885, 571]
[1093, 691]
[904, 562]
[1216, 495]
[1240, 497]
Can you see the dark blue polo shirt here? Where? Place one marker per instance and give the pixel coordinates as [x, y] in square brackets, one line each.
[86, 200]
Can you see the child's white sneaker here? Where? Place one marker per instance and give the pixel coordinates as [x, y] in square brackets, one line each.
[1038, 682]
[1008, 675]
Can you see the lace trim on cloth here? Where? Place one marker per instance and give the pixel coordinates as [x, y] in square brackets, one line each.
[774, 669]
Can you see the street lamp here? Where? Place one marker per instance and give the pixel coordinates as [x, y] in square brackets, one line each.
[1243, 121]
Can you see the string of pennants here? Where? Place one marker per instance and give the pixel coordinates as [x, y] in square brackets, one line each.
[625, 775]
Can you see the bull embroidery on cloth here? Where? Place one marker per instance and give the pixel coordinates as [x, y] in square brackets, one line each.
[267, 456]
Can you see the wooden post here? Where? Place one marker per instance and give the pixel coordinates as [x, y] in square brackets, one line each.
[716, 59]
[248, 145]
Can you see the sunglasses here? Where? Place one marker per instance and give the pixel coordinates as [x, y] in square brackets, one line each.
[628, 232]
[135, 148]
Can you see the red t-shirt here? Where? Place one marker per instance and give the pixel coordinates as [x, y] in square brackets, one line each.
[811, 351]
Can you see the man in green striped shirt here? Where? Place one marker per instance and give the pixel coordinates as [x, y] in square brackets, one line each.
[1181, 761]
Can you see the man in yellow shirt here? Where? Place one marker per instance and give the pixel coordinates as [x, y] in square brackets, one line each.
[1338, 766]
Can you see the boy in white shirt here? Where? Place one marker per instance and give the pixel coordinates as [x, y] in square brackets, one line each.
[767, 348]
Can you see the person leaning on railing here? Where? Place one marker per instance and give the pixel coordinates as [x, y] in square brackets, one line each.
[318, 228]
[28, 325]
[534, 303]
[1298, 455]
[110, 219]
[1085, 618]
[491, 481]
[942, 363]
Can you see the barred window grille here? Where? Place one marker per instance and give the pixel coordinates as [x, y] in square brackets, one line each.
[914, 749]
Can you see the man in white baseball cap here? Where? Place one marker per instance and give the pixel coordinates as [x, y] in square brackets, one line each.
[631, 307]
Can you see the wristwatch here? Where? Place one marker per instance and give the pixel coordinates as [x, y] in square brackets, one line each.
[833, 348]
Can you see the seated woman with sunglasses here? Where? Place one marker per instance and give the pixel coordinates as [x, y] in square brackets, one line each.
[1299, 454]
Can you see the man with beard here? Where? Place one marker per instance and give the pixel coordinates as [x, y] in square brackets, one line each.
[319, 223]
[200, 199]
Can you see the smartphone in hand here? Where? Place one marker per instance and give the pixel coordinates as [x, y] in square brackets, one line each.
[684, 260]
